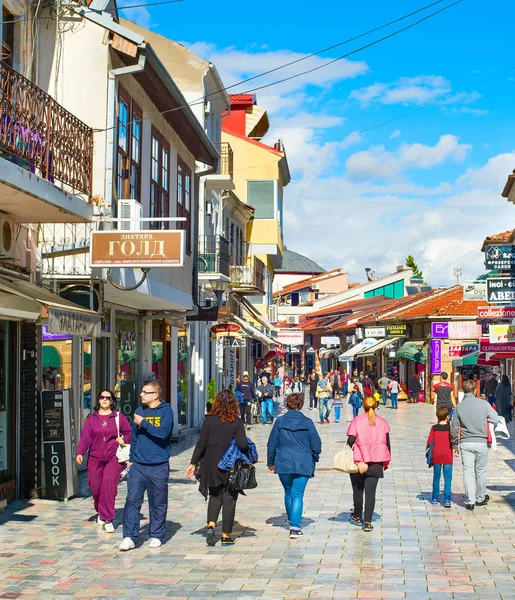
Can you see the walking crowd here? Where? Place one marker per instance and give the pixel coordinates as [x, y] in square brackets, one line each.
[224, 457]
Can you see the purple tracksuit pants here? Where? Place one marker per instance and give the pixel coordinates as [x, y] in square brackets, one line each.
[103, 478]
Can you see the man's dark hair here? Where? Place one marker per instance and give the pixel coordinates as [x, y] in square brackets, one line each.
[158, 388]
[294, 401]
[442, 413]
[444, 375]
[469, 386]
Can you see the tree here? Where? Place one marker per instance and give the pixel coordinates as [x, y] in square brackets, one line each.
[410, 262]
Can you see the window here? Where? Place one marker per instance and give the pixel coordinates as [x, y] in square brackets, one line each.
[159, 181]
[261, 195]
[184, 199]
[7, 37]
[128, 148]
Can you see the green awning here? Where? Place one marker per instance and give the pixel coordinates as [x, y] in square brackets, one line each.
[157, 351]
[51, 357]
[412, 351]
[467, 360]
[126, 356]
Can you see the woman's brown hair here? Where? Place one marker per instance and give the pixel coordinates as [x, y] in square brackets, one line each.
[369, 406]
[225, 406]
[294, 401]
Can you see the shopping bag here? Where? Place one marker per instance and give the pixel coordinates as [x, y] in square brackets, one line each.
[429, 454]
[344, 460]
[122, 452]
[501, 429]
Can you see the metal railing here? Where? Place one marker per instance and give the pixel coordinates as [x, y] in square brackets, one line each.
[40, 135]
[250, 276]
[213, 254]
[226, 158]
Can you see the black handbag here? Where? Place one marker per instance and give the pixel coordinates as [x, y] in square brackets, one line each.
[242, 477]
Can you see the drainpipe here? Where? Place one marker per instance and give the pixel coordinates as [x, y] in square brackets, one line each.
[111, 124]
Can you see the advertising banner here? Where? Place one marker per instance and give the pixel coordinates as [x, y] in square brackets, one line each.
[396, 331]
[500, 290]
[457, 351]
[330, 340]
[474, 291]
[68, 322]
[456, 330]
[436, 357]
[225, 330]
[496, 312]
[375, 332]
[486, 346]
[293, 337]
[499, 334]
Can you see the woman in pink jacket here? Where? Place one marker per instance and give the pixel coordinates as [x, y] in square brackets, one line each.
[101, 437]
[369, 437]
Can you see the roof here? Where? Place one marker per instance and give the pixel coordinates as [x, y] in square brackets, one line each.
[505, 237]
[293, 262]
[509, 184]
[438, 303]
[303, 283]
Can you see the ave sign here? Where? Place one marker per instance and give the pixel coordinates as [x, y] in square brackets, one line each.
[500, 290]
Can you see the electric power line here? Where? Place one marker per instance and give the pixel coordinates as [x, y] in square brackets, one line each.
[317, 68]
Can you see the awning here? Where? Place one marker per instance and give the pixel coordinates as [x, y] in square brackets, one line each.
[371, 350]
[254, 333]
[51, 357]
[352, 352]
[412, 351]
[476, 358]
[63, 316]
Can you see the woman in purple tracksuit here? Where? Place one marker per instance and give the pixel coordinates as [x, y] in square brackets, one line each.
[99, 436]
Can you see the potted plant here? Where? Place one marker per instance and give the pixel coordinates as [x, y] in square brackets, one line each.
[211, 394]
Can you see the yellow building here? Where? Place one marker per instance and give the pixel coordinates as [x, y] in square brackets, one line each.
[260, 174]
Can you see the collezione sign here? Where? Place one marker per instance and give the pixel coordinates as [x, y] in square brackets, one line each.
[142, 249]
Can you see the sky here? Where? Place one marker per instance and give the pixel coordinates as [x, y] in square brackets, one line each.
[364, 192]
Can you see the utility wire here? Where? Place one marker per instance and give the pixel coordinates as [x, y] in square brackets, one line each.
[375, 42]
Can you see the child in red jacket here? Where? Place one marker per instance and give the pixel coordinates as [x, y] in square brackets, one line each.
[440, 435]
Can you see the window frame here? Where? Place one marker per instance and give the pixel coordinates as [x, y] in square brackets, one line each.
[184, 199]
[157, 186]
[125, 163]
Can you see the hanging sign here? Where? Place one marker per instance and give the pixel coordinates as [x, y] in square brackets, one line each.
[500, 290]
[486, 346]
[474, 291]
[500, 257]
[455, 351]
[225, 330]
[375, 332]
[499, 334]
[396, 331]
[291, 336]
[141, 249]
[330, 340]
[70, 322]
[456, 330]
[436, 356]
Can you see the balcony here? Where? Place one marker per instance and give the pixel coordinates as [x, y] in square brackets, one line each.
[40, 137]
[213, 258]
[249, 279]
[65, 249]
[224, 179]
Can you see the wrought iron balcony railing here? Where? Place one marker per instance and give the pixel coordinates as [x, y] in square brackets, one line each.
[213, 255]
[250, 278]
[40, 135]
[226, 158]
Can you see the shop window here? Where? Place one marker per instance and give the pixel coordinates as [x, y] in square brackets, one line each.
[183, 373]
[126, 364]
[56, 360]
[7, 396]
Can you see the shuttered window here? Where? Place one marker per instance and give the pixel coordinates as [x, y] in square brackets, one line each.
[261, 195]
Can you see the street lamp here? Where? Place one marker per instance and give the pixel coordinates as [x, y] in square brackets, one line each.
[219, 288]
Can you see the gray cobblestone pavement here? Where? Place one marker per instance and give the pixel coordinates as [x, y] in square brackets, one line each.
[51, 550]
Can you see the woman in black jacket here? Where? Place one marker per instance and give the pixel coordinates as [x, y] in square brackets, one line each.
[220, 427]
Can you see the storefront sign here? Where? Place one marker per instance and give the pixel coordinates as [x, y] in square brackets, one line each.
[500, 257]
[294, 349]
[474, 291]
[500, 290]
[291, 336]
[330, 340]
[225, 330]
[142, 249]
[496, 312]
[459, 330]
[436, 356]
[375, 332]
[499, 334]
[232, 367]
[455, 351]
[396, 331]
[486, 346]
[46, 336]
[74, 323]
[231, 342]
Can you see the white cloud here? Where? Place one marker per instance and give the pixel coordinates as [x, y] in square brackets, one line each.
[406, 90]
[379, 163]
[395, 134]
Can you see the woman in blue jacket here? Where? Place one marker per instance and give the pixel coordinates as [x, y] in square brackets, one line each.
[294, 447]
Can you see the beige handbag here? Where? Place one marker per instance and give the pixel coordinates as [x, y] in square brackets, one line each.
[344, 460]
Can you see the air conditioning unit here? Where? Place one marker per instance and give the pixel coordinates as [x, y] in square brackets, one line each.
[292, 320]
[273, 313]
[315, 287]
[129, 209]
[7, 231]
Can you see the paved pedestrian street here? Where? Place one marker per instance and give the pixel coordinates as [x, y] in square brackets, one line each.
[51, 550]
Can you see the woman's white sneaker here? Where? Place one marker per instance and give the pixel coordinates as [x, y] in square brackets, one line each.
[109, 527]
[100, 522]
[127, 544]
[154, 543]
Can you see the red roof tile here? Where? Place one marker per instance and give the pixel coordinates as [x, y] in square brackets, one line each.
[499, 238]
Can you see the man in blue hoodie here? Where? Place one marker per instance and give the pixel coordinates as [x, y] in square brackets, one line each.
[149, 467]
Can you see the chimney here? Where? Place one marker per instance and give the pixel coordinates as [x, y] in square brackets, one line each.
[279, 145]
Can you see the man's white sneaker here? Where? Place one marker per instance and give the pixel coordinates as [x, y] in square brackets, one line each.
[100, 522]
[154, 543]
[127, 544]
[109, 527]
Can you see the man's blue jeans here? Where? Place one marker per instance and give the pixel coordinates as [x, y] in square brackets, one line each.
[324, 408]
[447, 481]
[267, 405]
[394, 397]
[294, 486]
[384, 395]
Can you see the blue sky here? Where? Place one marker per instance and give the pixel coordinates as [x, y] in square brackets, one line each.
[428, 184]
